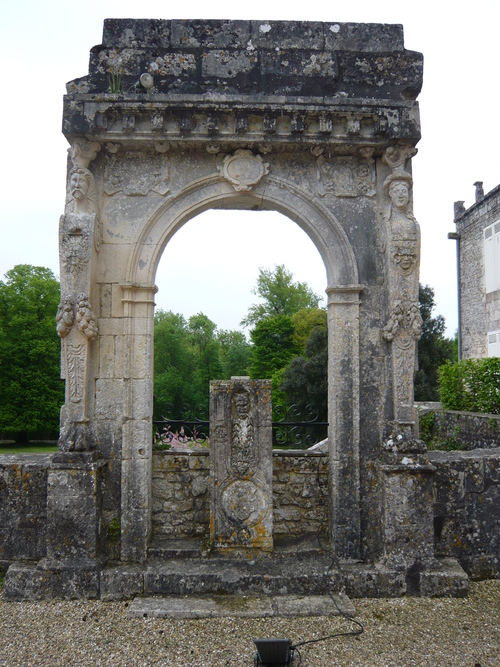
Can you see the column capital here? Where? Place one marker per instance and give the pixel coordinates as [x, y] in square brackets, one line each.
[343, 294]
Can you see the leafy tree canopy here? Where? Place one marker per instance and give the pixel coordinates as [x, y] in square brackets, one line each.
[188, 354]
[280, 295]
[235, 353]
[30, 385]
[305, 380]
[434, 349]
[305, 322]
[273, 345]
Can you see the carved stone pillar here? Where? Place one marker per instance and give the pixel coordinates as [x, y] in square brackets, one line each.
[343, 412]
[241, 499]
[136, 502]
[79, 239]
[402, 245]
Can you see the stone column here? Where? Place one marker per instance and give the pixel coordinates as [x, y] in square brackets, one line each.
[241, 499]
[343, 415]
[136, 500]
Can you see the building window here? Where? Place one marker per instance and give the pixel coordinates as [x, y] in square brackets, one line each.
[492, 257]
[494, 343]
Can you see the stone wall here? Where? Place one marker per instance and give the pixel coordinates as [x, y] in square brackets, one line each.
[23, 507]
[466, 510]
[181, 495]
[465, 430]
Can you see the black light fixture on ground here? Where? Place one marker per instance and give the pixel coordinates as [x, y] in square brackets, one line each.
[273, 652]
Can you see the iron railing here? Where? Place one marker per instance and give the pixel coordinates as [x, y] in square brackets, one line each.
[293, 427]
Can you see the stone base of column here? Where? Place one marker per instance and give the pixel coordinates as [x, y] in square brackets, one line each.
[74, 508]
[51, 580]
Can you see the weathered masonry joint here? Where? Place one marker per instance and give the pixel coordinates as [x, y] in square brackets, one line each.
[318, 121]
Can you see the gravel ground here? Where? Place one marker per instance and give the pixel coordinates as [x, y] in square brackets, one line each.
[402, 632]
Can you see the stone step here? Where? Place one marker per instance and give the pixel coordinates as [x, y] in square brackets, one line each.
[267, 576]
[195, 547]
[219, 606]
[273, 577]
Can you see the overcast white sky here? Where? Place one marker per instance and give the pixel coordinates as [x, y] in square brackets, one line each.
[45, 44]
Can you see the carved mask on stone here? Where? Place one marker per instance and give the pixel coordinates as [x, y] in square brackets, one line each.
[79, 184]
[399, 194]
[241, 401]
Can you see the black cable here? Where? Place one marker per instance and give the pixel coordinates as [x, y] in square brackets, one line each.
[352, 633]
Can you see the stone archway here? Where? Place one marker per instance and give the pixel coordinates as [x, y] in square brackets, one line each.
[324, 143]
[343, 318]
[318, 121]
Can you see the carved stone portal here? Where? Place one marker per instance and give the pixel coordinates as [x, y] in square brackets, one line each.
[317, 121]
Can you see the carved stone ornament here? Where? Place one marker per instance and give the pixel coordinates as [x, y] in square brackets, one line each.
[244, 503]
[85, 318]
[137, 174]
[405, 253]
[242, 435]
[65, 316]
[81, 197]
[395, 157]
[398, 215]
[82, 152]
[76, 359]
[404, 325]
[345, 176]
[76, 242]
[244, 170]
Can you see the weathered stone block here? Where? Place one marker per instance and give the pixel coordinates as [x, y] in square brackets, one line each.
[270, 35]
[74, 506]
[210, 34]
[132, 32]
[305, 63]
[29, 582]
[363, 37]
[121, 583]
[228, 64]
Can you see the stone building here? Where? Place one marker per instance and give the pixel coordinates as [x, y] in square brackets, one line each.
[478, 261]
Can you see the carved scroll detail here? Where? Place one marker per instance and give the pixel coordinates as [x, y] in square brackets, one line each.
[75, 364]
[242, 434]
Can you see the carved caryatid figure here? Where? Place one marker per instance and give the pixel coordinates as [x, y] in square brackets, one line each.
[82, 196]
[402, 223]
[77, 326]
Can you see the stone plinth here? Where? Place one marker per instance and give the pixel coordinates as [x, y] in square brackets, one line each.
[241, 501]
[74, 508]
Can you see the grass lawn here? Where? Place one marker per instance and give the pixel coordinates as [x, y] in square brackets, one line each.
[27, 448]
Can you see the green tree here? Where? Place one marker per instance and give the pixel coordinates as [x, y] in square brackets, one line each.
[305, 380]
[273, 345]
[235, 353]
[305, 322]
[174, 363]
[434, 349]
[206, 351]
[30, 386]
[280, 295]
